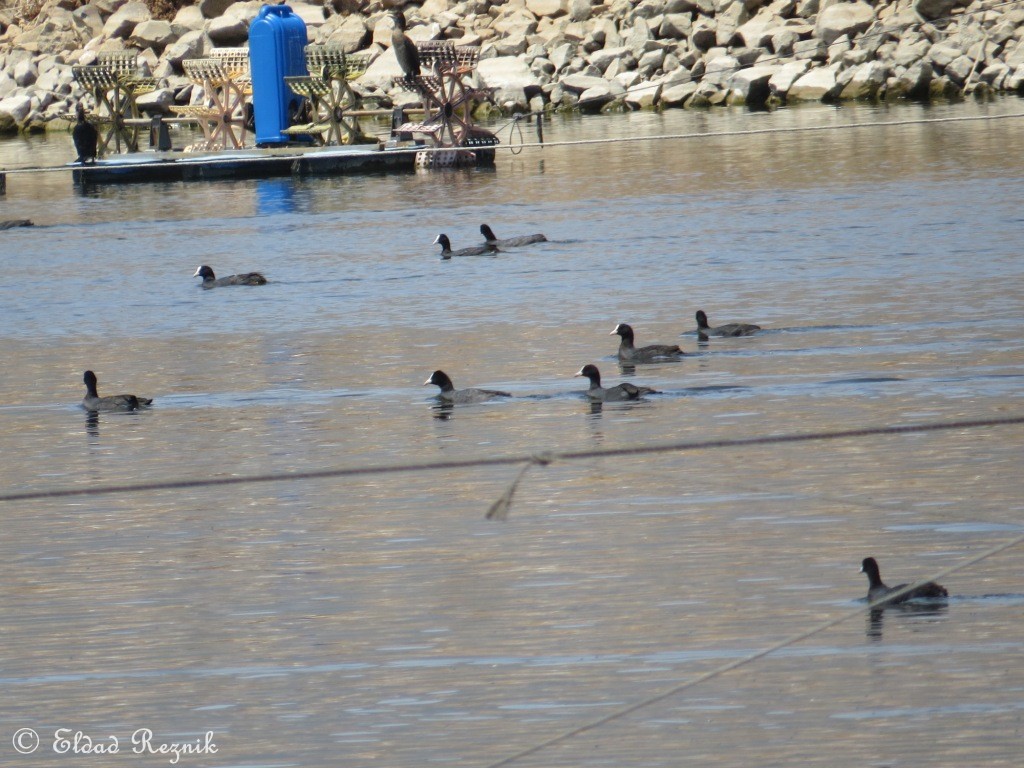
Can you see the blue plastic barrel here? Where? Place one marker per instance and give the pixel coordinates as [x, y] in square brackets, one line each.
[277, 43]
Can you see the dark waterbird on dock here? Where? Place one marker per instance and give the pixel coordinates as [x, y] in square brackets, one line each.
[729, 329]
[405, 49]
[877, 590]
[449, 394]
[618, 393]
[210, 280]
[86, 138]
[473, 250]
[649, 354]
[510, 242]
[93, 402]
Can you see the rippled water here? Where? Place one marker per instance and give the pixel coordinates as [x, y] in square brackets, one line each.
[381, 619]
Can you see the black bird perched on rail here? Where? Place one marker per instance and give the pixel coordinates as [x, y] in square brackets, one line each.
[510, 242]
[86, 138]
[405, 49]
[877, 589]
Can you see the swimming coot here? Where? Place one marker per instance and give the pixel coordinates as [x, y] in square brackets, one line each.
[450, 394]
[473, 250]
[210, 280]
[877, 590]
[620, 392]
[510, 242]
[93, 402]
[729, 329]
[649, 354]
[12, 223]
[85, 136]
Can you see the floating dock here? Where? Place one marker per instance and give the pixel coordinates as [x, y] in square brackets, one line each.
[141, 167]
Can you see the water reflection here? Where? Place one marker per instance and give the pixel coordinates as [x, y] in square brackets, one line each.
[924, 610]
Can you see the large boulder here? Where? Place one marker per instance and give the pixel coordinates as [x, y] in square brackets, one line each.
[581, 83]
[124, 20]
[507, 72]
[787, 74]
[227, 30]
[14, 111]
[750, 85]
[550, 8]
[349, 32]
[155, 34]
[937, 9]
[817, 85]
[866, 81]
[843, 19]
[191, 45]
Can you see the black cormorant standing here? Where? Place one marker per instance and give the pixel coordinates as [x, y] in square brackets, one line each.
[86, 137]
[405, 49]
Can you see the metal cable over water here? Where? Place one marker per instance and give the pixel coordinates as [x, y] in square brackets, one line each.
[537, 457]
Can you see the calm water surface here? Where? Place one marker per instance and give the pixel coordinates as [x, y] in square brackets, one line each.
[381, 619]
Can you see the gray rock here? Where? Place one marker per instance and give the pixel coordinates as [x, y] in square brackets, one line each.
[958, 69]
[913, 83]
[650, 62]
[866, 80]
[14, 110]
[908, 53]
[598, 96]
[675, 26]
[813, 49]
[677, 95]
[936, 9]
[549, 8]
[125, 19]
[189, 17]
[580, 10]
[787, 74]
[227, 31]
[312, 15]
[750, 86]
[1014, 54]
[506, 72]
[192, 45]
[783, 40]
[816, 85]
[580, 83]
[89, 18]
[720, 69]
[843, 19]
[153, 34]
[643, 96]
[562, 55]
[348, 32]
[25, 73]
[602, 58]
[158, 102]
[941, 54]
[211, 9]
[704, 34]
[513, 44]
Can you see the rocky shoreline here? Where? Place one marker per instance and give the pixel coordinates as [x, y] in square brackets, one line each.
[538, 55]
